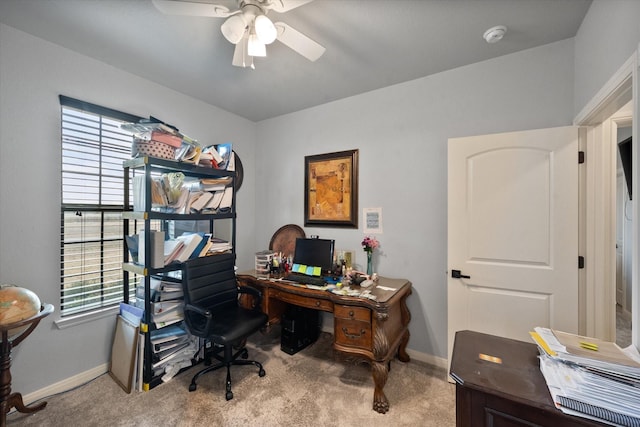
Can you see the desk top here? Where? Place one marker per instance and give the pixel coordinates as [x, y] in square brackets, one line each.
[514, 371]
[385, 289]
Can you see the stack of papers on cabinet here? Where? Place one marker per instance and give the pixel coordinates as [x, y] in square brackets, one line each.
[590, 378]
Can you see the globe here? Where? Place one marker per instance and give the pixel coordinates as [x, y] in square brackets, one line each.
[17, 304]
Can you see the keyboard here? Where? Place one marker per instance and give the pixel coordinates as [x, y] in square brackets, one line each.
[303, 278]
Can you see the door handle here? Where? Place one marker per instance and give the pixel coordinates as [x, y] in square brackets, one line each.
[456, 274]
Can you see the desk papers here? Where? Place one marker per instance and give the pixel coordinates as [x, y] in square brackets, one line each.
[590, 378]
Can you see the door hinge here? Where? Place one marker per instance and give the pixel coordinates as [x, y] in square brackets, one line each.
[580, 157]
[580, 262]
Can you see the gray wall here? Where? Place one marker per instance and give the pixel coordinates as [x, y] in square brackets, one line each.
[401, 132]
[608, 36]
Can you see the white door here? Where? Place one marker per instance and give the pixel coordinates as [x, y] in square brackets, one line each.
[513, 230]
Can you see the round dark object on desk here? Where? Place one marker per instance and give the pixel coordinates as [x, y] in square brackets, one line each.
[284, 240]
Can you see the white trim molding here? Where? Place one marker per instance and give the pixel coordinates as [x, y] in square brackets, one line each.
[599, 198]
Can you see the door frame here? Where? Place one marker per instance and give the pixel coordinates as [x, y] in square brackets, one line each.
[597, 220]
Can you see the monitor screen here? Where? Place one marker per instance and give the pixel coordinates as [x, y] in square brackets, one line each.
[315, 253]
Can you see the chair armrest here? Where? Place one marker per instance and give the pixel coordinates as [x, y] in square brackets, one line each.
[256, 294]
[193, 311]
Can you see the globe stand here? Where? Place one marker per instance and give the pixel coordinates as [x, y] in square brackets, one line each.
[10, 400]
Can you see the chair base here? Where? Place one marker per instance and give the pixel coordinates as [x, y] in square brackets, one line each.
[228, 362]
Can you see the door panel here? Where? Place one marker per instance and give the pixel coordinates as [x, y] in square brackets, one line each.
[495, 185]
[513, 229]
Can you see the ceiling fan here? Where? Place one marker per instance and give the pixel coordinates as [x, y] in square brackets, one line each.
[248, 27]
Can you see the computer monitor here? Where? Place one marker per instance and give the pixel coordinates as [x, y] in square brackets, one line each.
[314, 252]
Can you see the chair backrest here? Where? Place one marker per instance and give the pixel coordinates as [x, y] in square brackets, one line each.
[210, 281]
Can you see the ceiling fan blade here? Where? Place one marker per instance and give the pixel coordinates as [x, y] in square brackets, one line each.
[172, 7]
[282, 6]
[299, 42]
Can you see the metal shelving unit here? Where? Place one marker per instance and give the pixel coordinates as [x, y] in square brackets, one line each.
[131, 219]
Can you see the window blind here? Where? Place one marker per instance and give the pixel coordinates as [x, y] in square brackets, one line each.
[91, 250]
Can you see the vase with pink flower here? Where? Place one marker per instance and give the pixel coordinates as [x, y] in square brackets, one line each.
[368, 245]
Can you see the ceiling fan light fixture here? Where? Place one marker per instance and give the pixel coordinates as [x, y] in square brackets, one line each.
[265, 30]
[233, 28]
[255, 46]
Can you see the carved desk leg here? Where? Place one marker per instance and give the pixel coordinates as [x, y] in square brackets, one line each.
[380, 372]
[381, 350]
[380, 366]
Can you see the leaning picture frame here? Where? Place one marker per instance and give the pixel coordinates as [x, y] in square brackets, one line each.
[331, 189]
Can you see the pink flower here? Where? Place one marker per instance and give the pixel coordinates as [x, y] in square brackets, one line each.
[369, 244]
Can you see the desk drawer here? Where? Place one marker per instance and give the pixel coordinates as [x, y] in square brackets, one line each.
[353, 326]
[309, 302]
[353, 313]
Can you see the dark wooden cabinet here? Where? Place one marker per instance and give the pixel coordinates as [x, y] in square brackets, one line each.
[499, 384]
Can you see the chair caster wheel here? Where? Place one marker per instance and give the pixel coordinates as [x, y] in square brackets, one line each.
[229, 395]
[245, 354]
[261, 373]
[192, 387]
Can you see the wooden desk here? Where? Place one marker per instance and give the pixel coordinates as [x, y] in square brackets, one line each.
[374, 330]
[510, 393]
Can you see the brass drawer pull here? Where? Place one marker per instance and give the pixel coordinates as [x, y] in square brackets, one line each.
[350, 313]
[353, 336]
[317, 303]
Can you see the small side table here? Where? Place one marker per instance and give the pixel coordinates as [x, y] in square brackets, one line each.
[9, 400]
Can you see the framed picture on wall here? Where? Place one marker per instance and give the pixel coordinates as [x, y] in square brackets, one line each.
[331, 189]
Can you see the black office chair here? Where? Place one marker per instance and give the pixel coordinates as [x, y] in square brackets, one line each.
[212, 311]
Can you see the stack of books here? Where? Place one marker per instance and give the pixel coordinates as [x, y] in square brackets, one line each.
[172, 349]
[168, 343]
[590, 378]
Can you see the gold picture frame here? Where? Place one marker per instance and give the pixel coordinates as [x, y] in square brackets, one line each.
[331, 189]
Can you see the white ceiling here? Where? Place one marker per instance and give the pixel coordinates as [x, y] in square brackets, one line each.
[370, 44]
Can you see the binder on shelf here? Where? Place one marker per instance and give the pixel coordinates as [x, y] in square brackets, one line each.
[169, 333]
[156, 250]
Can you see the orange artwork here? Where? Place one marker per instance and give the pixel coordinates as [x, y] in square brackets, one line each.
[330, 188]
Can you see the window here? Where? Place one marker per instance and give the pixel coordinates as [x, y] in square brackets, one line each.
[91, 244]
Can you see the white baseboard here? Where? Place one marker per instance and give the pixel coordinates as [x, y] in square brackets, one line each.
[66, 384]
[430, 359]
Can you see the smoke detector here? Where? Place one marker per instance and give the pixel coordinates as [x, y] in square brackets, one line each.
[495, 34]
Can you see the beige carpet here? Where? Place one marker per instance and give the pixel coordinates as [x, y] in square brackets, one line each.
[310, 388]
